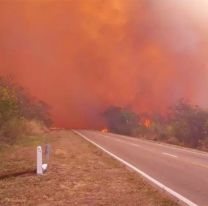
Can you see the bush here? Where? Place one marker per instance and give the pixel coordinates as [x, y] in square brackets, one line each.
[13, 129]
[121, 120]
[189, 123]
[17, 109]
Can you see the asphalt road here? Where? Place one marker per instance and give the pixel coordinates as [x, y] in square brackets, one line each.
[184, 171]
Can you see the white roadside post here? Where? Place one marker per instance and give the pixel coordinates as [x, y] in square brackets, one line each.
[40, 166]
[39, 161]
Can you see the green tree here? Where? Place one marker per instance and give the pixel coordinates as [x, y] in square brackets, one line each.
[121, 120]
[17, 108]
[8, 105]
[189, 123]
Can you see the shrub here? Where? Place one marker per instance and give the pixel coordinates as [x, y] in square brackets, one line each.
[189, 123]
[121, 120]
[17, 109]
[13, 129]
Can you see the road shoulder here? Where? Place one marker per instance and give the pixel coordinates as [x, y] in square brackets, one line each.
[79, 174]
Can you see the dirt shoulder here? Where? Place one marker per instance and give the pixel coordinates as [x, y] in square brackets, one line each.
[79, 174]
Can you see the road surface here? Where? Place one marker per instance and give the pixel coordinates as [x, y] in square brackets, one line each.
[184, 171]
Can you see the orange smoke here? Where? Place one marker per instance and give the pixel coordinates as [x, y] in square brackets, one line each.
[83, 56]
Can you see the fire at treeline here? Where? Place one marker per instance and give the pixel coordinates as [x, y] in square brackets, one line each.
[183, 124]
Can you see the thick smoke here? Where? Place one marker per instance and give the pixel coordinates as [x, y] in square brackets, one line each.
[83, 56]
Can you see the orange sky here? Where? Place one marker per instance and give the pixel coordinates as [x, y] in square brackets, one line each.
[82, 56]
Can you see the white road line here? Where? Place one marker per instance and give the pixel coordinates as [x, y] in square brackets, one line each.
[122, 141]
[135, 145]
[160, 185]
[171, 155]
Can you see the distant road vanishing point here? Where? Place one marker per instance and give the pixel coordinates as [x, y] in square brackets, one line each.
[180, 171]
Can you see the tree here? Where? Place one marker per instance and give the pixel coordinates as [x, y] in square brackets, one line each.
[189, 123]
[121, 120]
[8, 104]
[16, 108]
[28, 107]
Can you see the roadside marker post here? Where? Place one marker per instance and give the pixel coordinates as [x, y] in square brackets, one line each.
[47, 152]
[41, 168]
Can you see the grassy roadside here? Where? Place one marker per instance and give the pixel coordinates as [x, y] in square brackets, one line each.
[79, 174]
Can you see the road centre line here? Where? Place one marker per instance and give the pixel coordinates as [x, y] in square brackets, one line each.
[171, 155]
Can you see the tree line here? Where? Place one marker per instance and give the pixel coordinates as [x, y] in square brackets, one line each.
[183, 124]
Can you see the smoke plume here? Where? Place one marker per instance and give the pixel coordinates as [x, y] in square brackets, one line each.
[83, 56]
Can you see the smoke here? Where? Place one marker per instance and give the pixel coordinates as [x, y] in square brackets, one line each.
[83, 56]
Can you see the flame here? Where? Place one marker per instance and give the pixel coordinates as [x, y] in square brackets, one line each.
[105, 130]
[147, 123]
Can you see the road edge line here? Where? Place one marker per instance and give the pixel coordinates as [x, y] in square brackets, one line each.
[160, 185]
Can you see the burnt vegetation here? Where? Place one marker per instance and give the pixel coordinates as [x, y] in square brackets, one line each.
[184, 124]
[19, 112]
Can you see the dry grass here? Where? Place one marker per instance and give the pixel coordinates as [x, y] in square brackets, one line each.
[79, 174]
